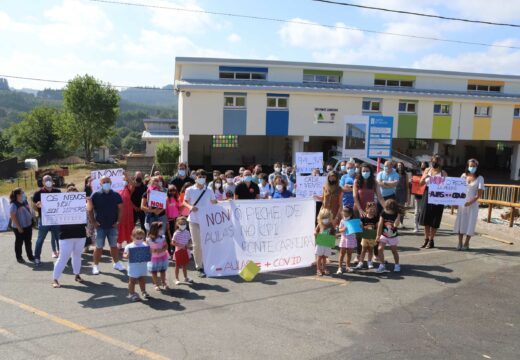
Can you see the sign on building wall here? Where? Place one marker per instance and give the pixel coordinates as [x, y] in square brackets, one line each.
[325, 115]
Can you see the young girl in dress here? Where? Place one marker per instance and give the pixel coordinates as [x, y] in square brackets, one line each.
[369, 221]
[160, 258]
[325, 226]
[348, 242]
[136, 270]
[181, 239]
[387, 233]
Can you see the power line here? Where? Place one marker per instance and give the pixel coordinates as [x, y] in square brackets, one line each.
[417, 14]
[66, 82]
[462, 42]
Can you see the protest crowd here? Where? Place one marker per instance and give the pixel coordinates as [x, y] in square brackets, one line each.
[151, 224]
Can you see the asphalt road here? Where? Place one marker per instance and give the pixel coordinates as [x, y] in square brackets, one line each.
[443, 305]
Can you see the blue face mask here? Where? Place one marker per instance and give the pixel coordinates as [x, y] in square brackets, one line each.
[24, 197]
[106, 187]
[365, 174]
[472, 169]
[343, 168]
[351, 171]
[385, 168]
[182, 172]
[248, 178]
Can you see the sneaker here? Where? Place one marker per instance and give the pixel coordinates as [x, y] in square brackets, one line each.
[119, 266]
[178, 282]
[339, 272]
[55, 254]
[359, 266]
[21, 261]
[37, 262]
[397, 268]
[370, 265]
[202, 274]
[95, 270]
[381, 269]
[188, 280]
[349, 270]
[146, 296]
[416, 230]
[135, 298]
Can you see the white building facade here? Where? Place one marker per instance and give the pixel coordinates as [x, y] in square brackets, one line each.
[238, 112]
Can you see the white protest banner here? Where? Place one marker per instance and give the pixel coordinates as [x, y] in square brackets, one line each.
[64, 208]
[308, 161]
[308, 186]
[447, 191]
[275, 234]
[157, 199]
[116, 175]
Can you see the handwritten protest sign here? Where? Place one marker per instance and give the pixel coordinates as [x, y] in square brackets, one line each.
[309, 186]
[64, 208]
[308, 161]
[116, 175]
[447, 191]
[275, 235]
[157, 199]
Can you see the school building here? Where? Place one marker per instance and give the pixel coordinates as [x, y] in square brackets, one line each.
[234, 112]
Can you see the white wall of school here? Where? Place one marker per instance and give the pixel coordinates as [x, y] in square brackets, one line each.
[357, 78]
[440, 83]
[203, 113]
[256, 108]
[391, 108]
[501, 122]
[512, 87]
[424, 119]
[206, 72]
[456, 117]
[466, 121]
[285, 74]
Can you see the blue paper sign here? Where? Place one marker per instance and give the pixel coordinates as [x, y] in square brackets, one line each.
[139, 254]
[380, 132]
[353, 226]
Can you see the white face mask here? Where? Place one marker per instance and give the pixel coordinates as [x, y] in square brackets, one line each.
[325, 221]
[48, 184]
[218, 185]
[277, 169]
[138, 241]
[279, 187]
[201, 181]
[182, 227]
[229, 180]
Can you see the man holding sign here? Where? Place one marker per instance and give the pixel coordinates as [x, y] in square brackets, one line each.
[104, 208]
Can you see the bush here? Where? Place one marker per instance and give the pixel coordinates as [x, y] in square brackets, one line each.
[167, 157]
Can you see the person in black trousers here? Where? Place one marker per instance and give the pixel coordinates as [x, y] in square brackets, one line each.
[136, 197]
[21, 222]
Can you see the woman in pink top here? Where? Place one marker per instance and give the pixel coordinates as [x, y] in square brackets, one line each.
[365, 190]
[172, 212]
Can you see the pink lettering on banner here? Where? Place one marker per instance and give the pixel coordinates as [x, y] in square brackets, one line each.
[156, 204]
[437, 180]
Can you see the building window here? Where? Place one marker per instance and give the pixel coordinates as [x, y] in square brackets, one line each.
[488, 88]
[234, 101]
[242, 73]
[315, 78]
[516, 112]
[224, 141]
[483, 111]
[441, 109]
[407, 107]
[418, 144]
[274, 102]
[370, 105]
[393, 83]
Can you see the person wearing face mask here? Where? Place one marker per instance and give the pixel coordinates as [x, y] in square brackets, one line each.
[127, 224]
[137, 195]
[21, 222]
[218, 189]
[330, 168]
[342, 168]
[277, 172]
[431, 214]
[247, 189]
[43, 230]
[387, 179]
[266, 190]
[173, 211]
[182, 176]
[467, 215]
[256, 173]
[196, 198]
[332, 198]
[418, 194]
[105, 209]
[238, 178]
[216, 175]
[229, 185]
[280, 189]
[154, 213]
[365, 190]
[347, 184]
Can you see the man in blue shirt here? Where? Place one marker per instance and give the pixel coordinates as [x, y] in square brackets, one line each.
[347, 184]
[104, 209]
[388, 180]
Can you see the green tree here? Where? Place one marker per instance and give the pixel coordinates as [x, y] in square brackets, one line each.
[167, 157]
[38, 134]
[5, 145]
[93, 107]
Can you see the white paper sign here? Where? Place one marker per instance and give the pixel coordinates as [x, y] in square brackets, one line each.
[64, 208]
[309, 186]
[308, 161]
[275, 234]
[116, 175]
[157, 199]
[447, 191]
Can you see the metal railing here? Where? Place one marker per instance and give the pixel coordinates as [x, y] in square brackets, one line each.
[501, 195]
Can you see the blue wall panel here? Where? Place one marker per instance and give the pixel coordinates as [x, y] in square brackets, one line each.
[277, 122]
[235, 122]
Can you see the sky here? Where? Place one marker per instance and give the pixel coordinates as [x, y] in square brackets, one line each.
[137, 46]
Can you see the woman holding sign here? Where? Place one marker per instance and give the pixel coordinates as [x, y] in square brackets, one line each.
[333, 197]
[21, 222]
[154, 210]
[468, 214]
[431, 214]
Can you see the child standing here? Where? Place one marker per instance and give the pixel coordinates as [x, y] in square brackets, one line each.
[137, 265]
[387, 233]
[180, 240]
[369, 223]
[160, 258]
[322, 252]
[348, 242]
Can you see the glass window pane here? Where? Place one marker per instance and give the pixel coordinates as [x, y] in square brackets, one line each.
[436, 109]
[271, 102]
[321, 78]
[282, 102]
[333, 78]
[407, 83]
[392, 83]
[228, 101]
[376, 105]
[258, 76]
[445, 109]
[379, 82]
[472, 87]
[308, 78]
[476, 110]
[240, 101]
[482, 88]
[402, 107]
[227, 75]
[411, 107]
[366, 105]
[495, 88]
[517, 112]
[243, 76]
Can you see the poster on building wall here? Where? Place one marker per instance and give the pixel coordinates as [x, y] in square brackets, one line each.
[309, 186]
[325, 115]
[355, 136]
[274, 234]
[308, 161]
[444, 190]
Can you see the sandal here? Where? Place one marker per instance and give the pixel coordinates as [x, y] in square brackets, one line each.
[326, 272]
[56, 284]
[157, 288]
[319, 273]
[164, 287]
[135, 298]
[78, 279]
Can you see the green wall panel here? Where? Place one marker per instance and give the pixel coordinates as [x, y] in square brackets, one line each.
[407, 126]
[441, 128]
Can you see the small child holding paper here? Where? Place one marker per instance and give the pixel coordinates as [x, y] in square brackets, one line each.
[348, 242]
[138, 255]
[368, 241]
[323, 229]
[181, 239]
[387, 233]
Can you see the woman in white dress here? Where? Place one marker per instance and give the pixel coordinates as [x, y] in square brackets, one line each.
[468, 214]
